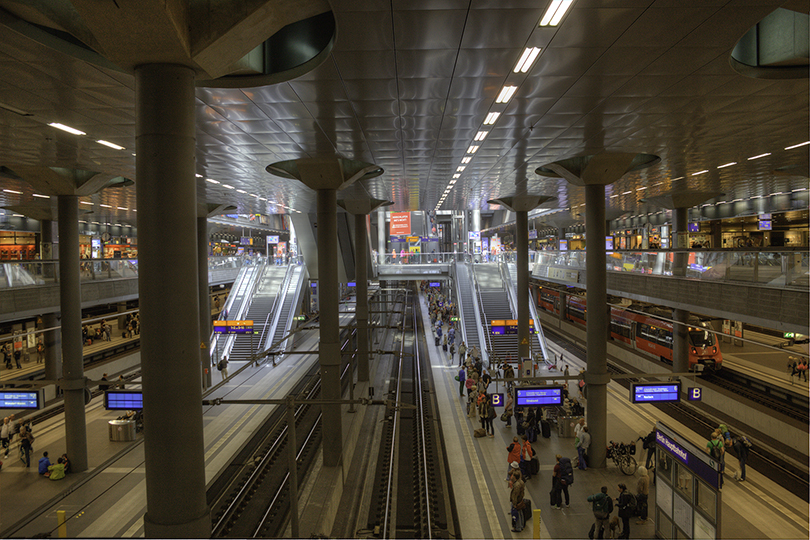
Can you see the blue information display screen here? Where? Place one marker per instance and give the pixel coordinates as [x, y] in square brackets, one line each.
[538, 396]
[19, 399]
[655, 392]
[497, 330]
[126, 400]
[435, 284]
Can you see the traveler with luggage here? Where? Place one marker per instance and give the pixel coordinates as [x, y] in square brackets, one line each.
[602, 507]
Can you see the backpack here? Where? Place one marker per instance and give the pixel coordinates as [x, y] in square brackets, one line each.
[744, 440]
[221, 365]
[566, 471]
[716, 450]
[631, 501]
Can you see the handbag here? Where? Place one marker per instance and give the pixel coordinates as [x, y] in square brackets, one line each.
[504, 417]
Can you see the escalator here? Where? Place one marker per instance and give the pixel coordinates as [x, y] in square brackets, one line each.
[538, 339]
[468, 309]
[289, 301]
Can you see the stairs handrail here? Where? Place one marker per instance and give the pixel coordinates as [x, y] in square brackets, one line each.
[459, 302]
[278, 302]
[478, 323]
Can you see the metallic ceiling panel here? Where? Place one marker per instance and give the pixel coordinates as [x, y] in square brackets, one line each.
[429, 29]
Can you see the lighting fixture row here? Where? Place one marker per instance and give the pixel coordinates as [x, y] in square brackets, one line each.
[79, 132]
[552, 17]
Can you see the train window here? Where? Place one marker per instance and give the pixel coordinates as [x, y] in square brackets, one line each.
[701, 338]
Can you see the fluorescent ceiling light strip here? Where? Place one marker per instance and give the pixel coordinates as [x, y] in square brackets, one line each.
[226, 186]
[626, 192]
[85, 202]
[472, 149]
[41, 196]
[110, 145]
[481, 135]
[69, 129]
[700, 172]
[530, 60]
[460, 168]
[642, 187]
[552, 9]
[727, 165]
[759, 156]
[241, 191]
[561, 12]
[122, 208]
[466, 159]
[198, 175]
[492, 118]
[456, 175]
[797, 145]
[105, 206]
[522, 60]
[12, 191]
[506, 94]
[211, 180]
[800, 189]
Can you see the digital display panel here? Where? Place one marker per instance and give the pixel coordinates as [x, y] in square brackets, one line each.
[20, 399]
[497, 330]
[272, 239]
[609, 243]
[126, 400]
[351, 284]
[233, 327]
[694, 227]
[765, 226]
[563, 245]
[475, 235]
[765, 216]
[435, 284]
[655, 392]
[538, 396]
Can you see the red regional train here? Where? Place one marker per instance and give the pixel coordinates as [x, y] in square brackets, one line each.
[648, 332]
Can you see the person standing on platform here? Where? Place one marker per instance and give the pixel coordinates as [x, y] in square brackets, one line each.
[509, 408]
[741, 449]
[602, 506]
[561, 478]
[627, 506]
[26, 446]
[648, 443]
[513, 458]
[18, 356]
[5, 435]
[107, 331]
[642, 494]
[582, 447]
[526, 454]
[516, 499]
[222, 366]
[462, 354]
[452, 351]
[462, 379]
[488, 415]
[717, 451]
[40, 351]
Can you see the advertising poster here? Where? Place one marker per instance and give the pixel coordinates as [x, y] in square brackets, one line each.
[400, 223]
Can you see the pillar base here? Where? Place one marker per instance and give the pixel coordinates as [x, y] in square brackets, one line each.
[196, 528]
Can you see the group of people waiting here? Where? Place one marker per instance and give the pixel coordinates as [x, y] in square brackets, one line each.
[55, 471]
[607, 525]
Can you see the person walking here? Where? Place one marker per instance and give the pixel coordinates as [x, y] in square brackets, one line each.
[26, 446]
[642, 494]
[222, 366]
[602, 506]
[462, 354]
[584, 441]
[5, 435]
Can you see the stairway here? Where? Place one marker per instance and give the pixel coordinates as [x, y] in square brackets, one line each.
[468, 306]
[261, 305]
[495, 306]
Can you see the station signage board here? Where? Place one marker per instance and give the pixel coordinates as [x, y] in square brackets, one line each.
[538, 396]
[499, 327]
[655, 392]
[400, 223]
[233, 327]
[475, 235]
[123, 400]
[351, 284]
[435, 284]
[272, 239]
[21, 399]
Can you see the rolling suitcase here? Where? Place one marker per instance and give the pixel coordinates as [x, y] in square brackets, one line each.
[535, 466]
[527, 511]
[546, 427]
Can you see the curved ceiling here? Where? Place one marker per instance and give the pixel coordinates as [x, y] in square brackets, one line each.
[409, 86]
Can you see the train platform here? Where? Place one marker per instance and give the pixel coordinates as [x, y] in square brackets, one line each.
[756, 508]
[109, 499]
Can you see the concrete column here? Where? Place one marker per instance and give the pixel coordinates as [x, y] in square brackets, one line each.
[522, 248]
[70, 300]
[597, 322]
[122, 319]
[48, 248]
[717, 234]
[169, 297]
[329, 349]
[53, 346]
[680, 347]
[560, 235]
[361, 310]
[205, 301]
[381, 236]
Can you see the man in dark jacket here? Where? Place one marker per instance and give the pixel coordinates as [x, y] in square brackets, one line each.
[602, 507]
[742, 455]
[627, 507]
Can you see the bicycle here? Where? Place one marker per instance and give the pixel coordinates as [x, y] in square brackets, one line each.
[620, 454]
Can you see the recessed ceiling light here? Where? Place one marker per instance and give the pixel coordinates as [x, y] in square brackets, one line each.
[110, 145]
[122, 208]
[466, 159]
[452, 182]
[41, 196]
[642, 187]
[69, 129]
[456, 175]
[526, 59]
[226, 186]
[700, 172]
[626, 192]
[726, 165]
[211, 180]
[241, 191]
[491, 118]
[460, 168]
[86, 202]
[472, 149]
[105, 206]
[506, 94]
[797, 145]
[555, 12]
[481, 135]
[12, 191]
[759, 156]
[613, 196]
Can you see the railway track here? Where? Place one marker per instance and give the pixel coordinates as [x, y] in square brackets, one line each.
[411, 498]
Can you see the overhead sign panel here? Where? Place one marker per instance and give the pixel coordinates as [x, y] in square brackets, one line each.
[655, 392]
[123, 400]
[400, 223]
[538, 396]
[20, 399]
[234, 327]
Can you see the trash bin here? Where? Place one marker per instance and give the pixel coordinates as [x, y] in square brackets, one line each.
[122, 430]
[564, 427]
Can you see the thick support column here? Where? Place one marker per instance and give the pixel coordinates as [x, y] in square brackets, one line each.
[560, 235]
[205, 300]
[329, 351]
[122, 319]
[680, 348]
[597, 321]
[48, 248]
[361, 311]
[169, 298]
[522, 248]
[381, 236]
[53, 346]
[70, 299]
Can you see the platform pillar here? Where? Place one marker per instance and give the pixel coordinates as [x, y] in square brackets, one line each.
[176, 504]
[680, 347]
[70, 300]
[326, 176]
[594, 172]
[53, 346]
[205, 301]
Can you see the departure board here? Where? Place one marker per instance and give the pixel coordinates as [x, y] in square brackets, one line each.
[538, 396]
[126, 400]
[20, 399]
[233, 327]
[655, 392]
